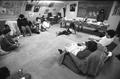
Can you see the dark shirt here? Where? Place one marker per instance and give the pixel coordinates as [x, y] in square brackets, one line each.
[22, 22]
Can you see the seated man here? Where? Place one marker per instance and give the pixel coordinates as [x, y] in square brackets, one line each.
[7, 43]
[107, 39]
[22, 23]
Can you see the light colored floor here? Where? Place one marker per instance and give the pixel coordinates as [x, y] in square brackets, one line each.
[38, 55]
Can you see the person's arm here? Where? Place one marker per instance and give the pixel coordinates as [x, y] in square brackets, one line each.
[10, 39]
[96, 39]
[6, 41]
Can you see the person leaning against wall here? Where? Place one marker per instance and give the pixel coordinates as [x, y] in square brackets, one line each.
[23, 25]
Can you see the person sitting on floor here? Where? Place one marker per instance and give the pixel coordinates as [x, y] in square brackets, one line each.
[107, 39]
[45, 25]
[35, 26]
[23, 25]
[7, 43]
[2, 52]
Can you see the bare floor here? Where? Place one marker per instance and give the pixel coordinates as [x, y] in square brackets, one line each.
[38, 55]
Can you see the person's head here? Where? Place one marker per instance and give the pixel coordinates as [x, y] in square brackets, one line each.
[102, 11]
[6, 30]
[110, 33]
[21, 16]
[91, 45]
[38, 19]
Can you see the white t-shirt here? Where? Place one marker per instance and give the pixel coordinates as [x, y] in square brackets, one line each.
[46, 24]
[105, 41]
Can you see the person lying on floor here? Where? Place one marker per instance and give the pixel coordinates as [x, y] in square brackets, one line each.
[2, 52]
[7, 43]
[64, 32]
[107, 39]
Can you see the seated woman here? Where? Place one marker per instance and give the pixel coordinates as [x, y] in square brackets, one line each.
[107, 39]
[7, 43]
[90, 65]
[81, 50]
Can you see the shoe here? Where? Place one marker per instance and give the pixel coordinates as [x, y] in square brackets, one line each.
[60, 50]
